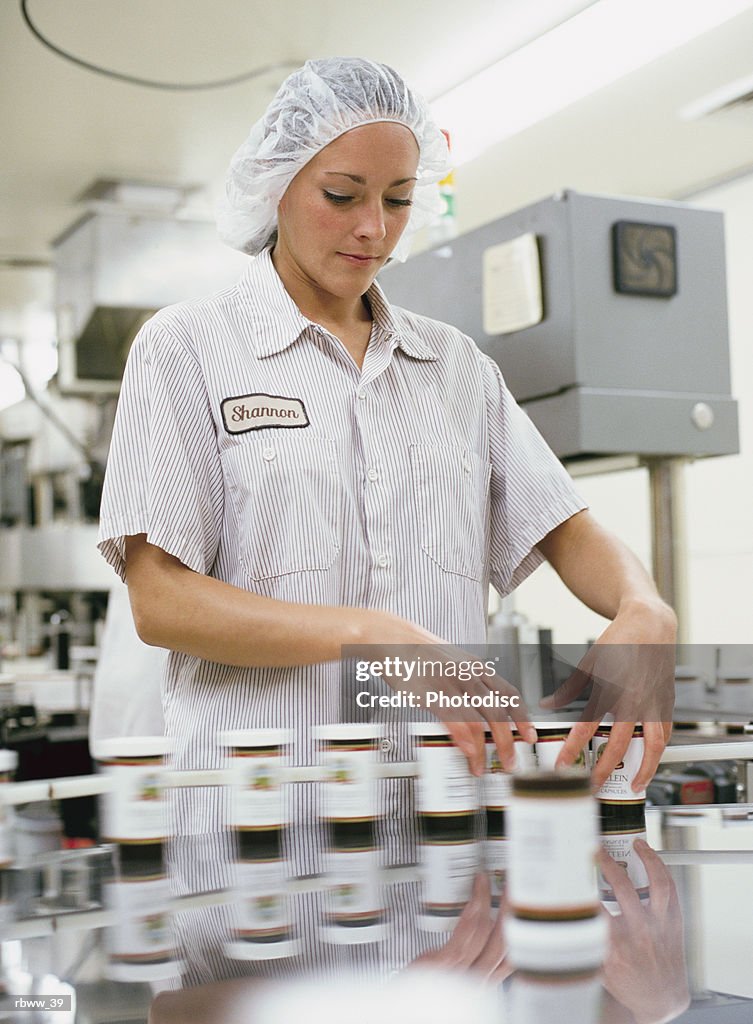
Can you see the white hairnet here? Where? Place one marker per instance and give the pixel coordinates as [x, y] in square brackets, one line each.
[313, 106]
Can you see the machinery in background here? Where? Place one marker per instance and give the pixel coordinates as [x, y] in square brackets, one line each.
[608, 319]
[127, 256]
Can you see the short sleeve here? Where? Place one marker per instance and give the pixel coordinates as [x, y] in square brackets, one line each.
[530, 492]
[163, 474]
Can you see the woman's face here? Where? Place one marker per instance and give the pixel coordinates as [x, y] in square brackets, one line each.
[345, 210]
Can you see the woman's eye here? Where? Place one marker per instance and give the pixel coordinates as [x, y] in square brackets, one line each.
[335, 197]
[400, 202]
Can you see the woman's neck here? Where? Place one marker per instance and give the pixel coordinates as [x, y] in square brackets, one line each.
[331, 311]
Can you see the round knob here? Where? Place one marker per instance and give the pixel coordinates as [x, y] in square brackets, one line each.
[702, 415]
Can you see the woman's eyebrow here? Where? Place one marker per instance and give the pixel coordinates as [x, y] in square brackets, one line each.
[362, 181]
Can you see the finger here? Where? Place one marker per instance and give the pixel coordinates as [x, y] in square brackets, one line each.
[577, 740]
[660, 881]
[612, 752]
[520, 714]
[471, 933]
[504, 970]
[569, 690]
[654, 743]
[505, 744]
[493, 953]
[468, 737]
[514, 707]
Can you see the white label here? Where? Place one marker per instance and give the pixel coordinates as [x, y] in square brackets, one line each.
[622, 851]
[143, 929]
[353, 884]
[135, 809]
[496, 783]
[253, 412]
[512, 286]
[350, 787]
[257, 794]
[550, 997]
[444, 783]
[264, 907]
[448, 870]
[496, 859]
[552, 845]
[617, 786]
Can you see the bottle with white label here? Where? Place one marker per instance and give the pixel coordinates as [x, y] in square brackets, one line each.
[348, 753]
[550, 739]
[8, 765]
[622, 809]
[256, 759]
[496, 791]
[134, 810]
[447, 795]
[555, 921]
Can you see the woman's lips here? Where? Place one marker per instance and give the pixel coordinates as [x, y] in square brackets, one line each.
[359, 261]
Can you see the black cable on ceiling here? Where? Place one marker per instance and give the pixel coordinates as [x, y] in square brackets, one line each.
[120, 76]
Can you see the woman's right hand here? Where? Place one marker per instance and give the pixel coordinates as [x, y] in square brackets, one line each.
[414, 660]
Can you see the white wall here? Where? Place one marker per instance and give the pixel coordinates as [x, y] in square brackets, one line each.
[719, 492]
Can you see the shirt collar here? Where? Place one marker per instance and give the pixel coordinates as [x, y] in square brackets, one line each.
[278, 322]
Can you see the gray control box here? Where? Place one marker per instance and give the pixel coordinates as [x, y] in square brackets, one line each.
[631, 353]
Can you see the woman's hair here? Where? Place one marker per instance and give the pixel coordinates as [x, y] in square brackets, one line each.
[314, 106]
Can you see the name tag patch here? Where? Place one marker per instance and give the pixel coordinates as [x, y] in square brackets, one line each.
[257, 412]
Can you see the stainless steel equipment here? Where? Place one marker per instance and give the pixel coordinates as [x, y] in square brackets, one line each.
[113, 269]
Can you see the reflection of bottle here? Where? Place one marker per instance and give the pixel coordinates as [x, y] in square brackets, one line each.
[448, 868]
[140, 944]
[264, 930]
[572, 997]
[354, 903]
[556, 921]
[621, 848]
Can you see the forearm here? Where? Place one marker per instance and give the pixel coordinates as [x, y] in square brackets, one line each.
[599, 569]
[185, 611]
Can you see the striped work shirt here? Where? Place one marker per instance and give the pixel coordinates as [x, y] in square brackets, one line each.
[250, 446]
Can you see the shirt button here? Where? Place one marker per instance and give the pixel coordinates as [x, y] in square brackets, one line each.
[386, 746]
[467, 466]
[373, 474]
[269, 454]
[383, 561]
[361, 396]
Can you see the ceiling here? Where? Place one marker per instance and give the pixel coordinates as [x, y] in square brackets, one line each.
[65, 126]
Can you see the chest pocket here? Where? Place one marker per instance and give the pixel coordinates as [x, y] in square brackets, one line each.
[286, 494]
[452, 493]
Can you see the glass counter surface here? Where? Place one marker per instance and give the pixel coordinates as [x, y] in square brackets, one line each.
[364, 941]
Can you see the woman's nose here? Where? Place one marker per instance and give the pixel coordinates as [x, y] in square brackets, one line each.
[371, 221]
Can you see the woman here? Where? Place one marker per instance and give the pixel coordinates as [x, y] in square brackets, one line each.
[296, 465]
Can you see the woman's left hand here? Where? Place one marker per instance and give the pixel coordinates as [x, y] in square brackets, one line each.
[631, 669]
